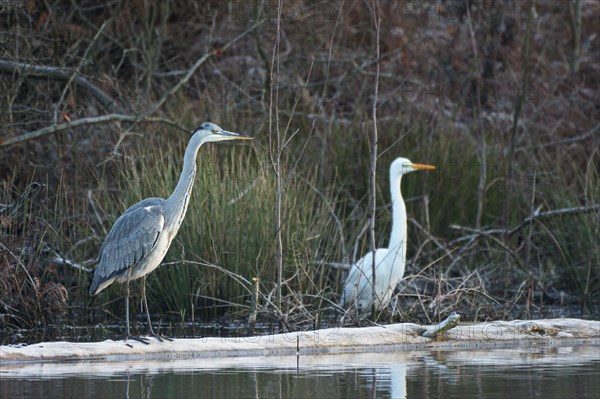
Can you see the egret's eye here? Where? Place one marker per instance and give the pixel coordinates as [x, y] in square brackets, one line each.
[215, 131]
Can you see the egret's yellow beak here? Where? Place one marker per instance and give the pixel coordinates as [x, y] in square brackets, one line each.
[422, 166]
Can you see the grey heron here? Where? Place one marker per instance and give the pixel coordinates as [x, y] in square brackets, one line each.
[141, 236]
[390, 261]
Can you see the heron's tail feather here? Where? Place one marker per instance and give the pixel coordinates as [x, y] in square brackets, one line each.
[99, 283]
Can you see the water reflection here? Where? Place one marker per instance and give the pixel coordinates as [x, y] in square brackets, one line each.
[498, 373]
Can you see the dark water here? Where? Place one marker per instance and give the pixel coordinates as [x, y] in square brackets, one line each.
[539, 372]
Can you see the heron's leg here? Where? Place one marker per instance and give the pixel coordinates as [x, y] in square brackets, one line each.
[128, 335]
[127, 308]
[143, 288]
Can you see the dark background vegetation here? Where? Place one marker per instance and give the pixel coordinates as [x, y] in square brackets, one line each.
[462, 85]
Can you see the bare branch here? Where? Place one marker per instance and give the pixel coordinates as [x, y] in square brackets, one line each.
[86, 122]
[57, 73]
[569, 140]
[536, 215]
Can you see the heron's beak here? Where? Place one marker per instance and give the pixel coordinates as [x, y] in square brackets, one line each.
[238, 136]
[422, 166]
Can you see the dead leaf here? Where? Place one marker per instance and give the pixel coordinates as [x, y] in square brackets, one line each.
[218, 53]
[64, 116]
[5, 222]
[41, 21]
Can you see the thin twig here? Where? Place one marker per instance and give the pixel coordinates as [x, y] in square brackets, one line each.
[194, 68]
[76, 70]
[373, 193]
[93, 205]
[481, 144]
[433, 239]
[517, 112]
[575, 25]
[321, 98]
[20, 264]
[277, 153]
[331, 210]
[237, 277]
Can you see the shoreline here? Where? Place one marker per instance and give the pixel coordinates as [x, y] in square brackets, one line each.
[386, 338]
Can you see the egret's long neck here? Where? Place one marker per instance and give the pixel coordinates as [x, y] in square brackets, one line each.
[177, 203]
[397, 245]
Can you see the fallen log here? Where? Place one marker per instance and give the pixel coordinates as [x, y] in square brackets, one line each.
[388, 338]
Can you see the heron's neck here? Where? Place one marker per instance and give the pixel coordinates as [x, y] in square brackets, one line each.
[397, 245]
[177, 203]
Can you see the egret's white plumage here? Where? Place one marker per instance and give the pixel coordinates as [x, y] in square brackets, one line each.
[390, 261]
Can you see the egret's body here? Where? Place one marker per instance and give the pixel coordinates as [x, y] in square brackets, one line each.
[142, 235]
[390, 261]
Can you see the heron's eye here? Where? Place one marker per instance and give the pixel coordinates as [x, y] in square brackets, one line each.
[215, 131]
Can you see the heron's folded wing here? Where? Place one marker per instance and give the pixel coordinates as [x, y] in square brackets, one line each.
[133, 236]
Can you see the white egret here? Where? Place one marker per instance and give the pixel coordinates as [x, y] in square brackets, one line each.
[390, 261]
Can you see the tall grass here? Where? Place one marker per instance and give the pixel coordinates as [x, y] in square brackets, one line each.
[37, 231]
[569, 248]
[230, 225]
